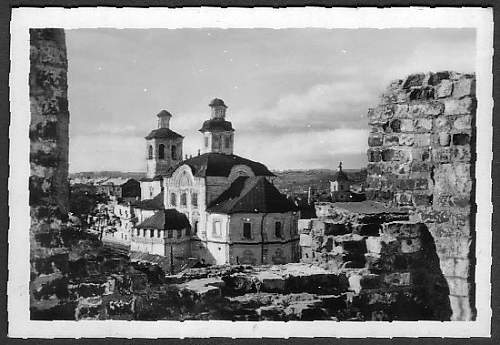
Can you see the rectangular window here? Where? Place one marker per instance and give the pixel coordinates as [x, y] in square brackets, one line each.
[169, 234]
[217, 228]
[247, 230]
[195, 228]
[158, 234]
[179, 233]
[206, 141]
[151, 233]
[277, 230]
[183, 199]
[194, 199]
[227, 142]
[138, 232]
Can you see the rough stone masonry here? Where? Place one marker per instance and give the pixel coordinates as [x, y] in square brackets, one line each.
[48, 183]
[421, 157]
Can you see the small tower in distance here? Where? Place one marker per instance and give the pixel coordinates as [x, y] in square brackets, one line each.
[163, 147]
[218, 134]
[340, 186]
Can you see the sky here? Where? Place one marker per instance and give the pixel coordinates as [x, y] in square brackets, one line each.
[297, 98]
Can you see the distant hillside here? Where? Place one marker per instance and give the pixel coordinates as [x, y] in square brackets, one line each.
[96, 174]
[290, 181]
[299, 181]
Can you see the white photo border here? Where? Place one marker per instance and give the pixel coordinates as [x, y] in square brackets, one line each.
[25, 18]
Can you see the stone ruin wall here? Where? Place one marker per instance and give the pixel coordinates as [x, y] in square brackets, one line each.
[48, 183]
[421, 157]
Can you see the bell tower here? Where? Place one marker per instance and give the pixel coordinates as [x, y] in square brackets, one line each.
[163, 147]
[218, 134]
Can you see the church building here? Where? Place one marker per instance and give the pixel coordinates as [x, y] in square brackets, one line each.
[340, 186]
[235, 213]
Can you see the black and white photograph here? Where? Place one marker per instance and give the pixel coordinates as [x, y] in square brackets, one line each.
[202, 172]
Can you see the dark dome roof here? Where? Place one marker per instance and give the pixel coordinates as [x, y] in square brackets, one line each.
[217, 102]
[340, 176]
[164, 113]
[216, 124]
[163, 133]
[219, 164]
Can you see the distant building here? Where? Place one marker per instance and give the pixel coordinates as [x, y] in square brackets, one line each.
[119, 187]
[340, 186]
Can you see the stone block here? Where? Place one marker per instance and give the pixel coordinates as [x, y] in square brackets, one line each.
[464, 87]
[417, 166]
[407, 139]
[463, 106]
[461, 139]
[459, 286]
[414, 80]
[407, 125]
[453, 179]
[403, 199]
[456, 247]
[463, 122]
[444, 88]
[442, 123]
[444, 139]
[401, 110]
[374, 155]
[434, 216]
[422, 199]
[461, 153]
[374, 244]
[374, 168]
[403, 229]
[422, 140]
[424, 109]
[423, 124]
[391, 140]
[398, 279]
[442, 155]
[375, 140]
[461, 307]
[455, 267]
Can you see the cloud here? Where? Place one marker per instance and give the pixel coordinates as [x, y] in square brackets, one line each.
[304, 150]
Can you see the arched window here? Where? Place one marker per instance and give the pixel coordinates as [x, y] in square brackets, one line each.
[173, 152]
[277, 229]
[150, 152]
[161, 151]
[194, 199]
[173, 199]
[183, 199]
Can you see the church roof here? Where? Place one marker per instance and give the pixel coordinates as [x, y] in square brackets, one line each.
[216, 124]
[340, 176]
[164, 113]
[217, 102]
[164, 133]
[150, 204]
[219, 164]
[169, 219]
[148, 179]
[251, 195]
